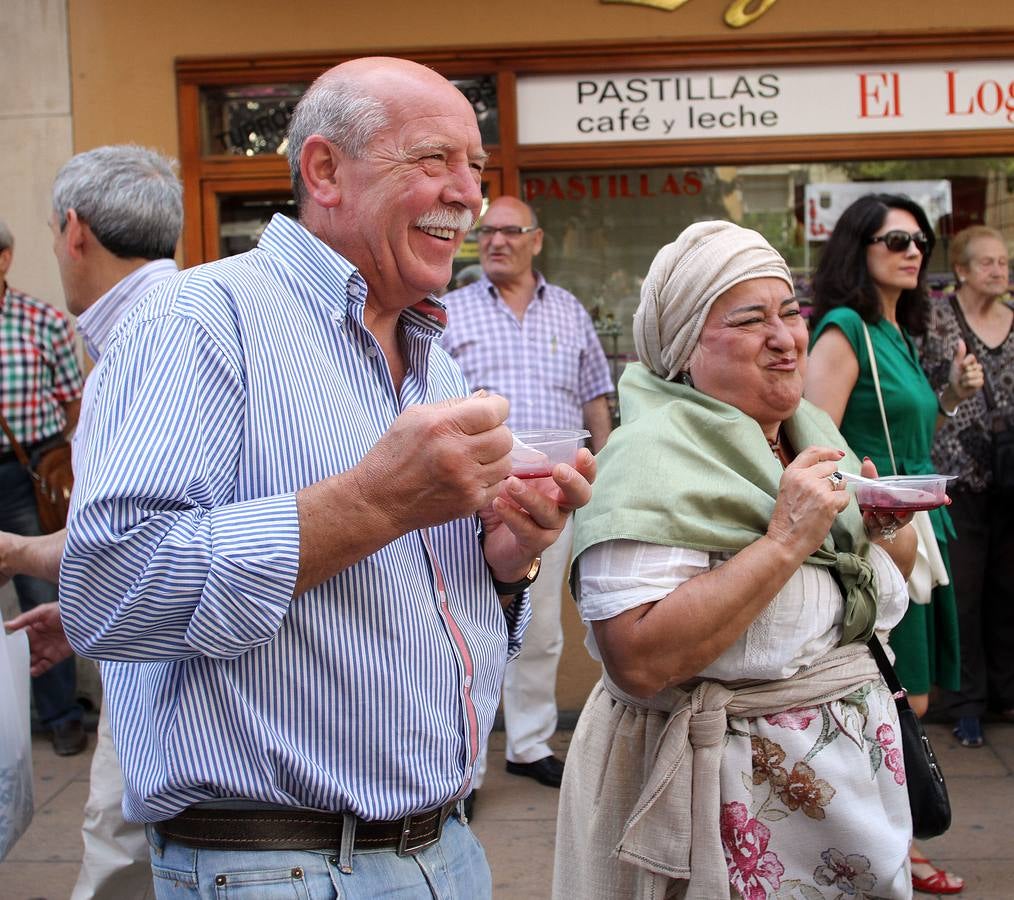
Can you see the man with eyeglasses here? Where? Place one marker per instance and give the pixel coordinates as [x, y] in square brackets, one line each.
[533, 342]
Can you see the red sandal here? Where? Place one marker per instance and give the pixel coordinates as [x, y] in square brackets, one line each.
[938, 882]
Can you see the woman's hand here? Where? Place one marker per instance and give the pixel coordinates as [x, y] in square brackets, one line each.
[809, 498]
[881, 527]
[964, 378]
[888, 530]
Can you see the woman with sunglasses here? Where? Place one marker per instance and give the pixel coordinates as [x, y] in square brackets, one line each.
[873, 271]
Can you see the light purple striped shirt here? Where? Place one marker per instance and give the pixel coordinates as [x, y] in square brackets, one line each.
[231, 387]
[548, 365]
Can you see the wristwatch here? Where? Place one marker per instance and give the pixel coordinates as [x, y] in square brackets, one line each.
[506, 588]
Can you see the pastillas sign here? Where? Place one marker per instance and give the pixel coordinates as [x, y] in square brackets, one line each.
[666, 106]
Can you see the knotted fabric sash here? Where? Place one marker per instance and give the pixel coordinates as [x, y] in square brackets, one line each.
[674, 828]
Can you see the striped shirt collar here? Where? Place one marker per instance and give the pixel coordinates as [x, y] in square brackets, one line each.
[331, 277]
[97, 322]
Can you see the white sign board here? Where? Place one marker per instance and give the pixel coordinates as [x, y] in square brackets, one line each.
[826, 202]
[853, 99]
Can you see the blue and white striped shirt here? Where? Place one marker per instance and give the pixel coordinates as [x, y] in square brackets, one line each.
[231, 387]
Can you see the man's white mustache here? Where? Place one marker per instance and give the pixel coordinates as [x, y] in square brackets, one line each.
[456, 219]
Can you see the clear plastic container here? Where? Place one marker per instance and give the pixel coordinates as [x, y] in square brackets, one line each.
[536, 452]
[899, 494]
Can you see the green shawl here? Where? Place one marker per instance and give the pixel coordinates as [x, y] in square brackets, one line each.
[686, 470]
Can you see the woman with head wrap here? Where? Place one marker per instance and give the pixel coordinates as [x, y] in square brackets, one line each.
[740, 742]
[872, 272]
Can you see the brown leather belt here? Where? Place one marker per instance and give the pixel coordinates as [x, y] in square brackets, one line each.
[300, 829]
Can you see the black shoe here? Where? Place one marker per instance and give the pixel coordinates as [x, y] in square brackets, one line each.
[547, 771]
[469, 805]
[69, 738]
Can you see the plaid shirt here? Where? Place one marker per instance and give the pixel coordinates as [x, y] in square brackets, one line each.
[39, 370]
[548, 365]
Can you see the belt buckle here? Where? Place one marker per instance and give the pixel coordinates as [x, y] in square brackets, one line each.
[407, 849]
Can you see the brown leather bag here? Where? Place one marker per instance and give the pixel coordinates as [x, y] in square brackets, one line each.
[52, 478]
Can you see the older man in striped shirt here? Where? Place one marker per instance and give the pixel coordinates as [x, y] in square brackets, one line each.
[296, 543]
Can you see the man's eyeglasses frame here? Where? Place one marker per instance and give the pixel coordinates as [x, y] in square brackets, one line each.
[508, 231]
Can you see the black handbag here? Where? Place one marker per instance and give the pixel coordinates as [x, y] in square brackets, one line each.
[927, 791]
[1001, 428]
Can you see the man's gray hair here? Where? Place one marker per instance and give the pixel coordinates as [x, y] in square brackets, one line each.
[129, 196]
[338, 110]
[6, 238]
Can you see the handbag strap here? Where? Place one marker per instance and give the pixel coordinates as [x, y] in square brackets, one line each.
[19, 451]
[966, 333]
[887, 671]
[880, 396]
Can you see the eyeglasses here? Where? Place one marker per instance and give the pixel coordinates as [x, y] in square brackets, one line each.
[898, 241]
[508, 231]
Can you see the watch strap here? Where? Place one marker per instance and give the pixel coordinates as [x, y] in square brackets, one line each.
[506, 588]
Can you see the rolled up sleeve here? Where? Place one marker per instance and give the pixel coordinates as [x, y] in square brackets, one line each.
[166, 558]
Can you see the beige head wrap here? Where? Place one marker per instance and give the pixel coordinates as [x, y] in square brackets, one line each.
[686, 278]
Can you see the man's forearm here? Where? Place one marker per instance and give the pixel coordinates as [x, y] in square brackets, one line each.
[598, 420]
[38, 556]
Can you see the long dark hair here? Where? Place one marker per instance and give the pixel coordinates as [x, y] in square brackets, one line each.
[842, 277]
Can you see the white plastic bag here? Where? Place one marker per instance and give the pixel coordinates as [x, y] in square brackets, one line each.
[16, 797]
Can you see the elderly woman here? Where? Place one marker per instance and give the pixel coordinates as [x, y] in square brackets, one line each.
[983, 515]
[741, 741]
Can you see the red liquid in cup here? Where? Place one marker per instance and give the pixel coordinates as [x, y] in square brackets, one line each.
[527, 475]
[886, 502]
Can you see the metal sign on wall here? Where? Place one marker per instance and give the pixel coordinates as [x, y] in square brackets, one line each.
[666, 106]
[824, 203]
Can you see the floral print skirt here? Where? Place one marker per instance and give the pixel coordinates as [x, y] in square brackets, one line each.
[813, 802]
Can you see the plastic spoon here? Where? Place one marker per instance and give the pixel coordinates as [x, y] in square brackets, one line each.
[525, 454]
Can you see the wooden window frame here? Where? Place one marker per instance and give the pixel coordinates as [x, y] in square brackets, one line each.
[203, 174]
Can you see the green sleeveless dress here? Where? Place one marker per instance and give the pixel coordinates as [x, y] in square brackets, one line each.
[925, 642]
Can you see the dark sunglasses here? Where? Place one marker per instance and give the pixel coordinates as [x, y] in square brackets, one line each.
[898, 241]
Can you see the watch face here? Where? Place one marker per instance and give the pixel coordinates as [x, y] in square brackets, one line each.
[533, 570]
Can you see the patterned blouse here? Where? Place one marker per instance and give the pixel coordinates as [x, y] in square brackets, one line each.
[962, 445]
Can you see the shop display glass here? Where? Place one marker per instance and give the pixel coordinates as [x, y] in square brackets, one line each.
[604, 226]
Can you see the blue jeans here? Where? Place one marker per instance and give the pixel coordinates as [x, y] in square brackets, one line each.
[455, 868]
[54, 692]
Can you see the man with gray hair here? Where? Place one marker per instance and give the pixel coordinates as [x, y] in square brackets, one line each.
[40, 396]
[275, 545]
[116, 218]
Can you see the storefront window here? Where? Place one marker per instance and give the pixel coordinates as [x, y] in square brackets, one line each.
[481, 93]
[604, 226]
[242, 218]
[247, 120]
[252, 119]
